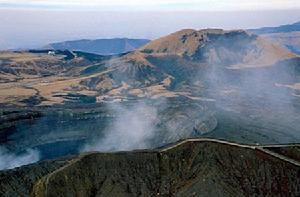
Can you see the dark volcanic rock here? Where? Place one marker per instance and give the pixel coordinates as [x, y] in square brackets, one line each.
[19, 181]
[195, 167]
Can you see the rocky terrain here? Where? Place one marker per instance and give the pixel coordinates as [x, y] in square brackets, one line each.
[181, 64]
[230, 85]
[19, 181]
[193, 167]
[62, 131]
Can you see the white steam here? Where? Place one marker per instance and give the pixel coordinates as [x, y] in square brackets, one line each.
[9, 160]
[133, 128]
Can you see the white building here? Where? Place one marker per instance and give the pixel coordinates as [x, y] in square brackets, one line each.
[51, 52]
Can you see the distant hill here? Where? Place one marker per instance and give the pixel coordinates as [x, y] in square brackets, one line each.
[100, 46]
[279, 29]
[290, 40]
[286, 35]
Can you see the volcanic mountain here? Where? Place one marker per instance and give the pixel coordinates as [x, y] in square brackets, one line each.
[211, 83]
[230, 85]
[157, 68]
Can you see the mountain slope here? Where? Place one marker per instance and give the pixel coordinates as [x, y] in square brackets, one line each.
[218, 46]
[279, 29]
[193, 167]
[163, 65]
[225, 84]
[100, 46]
[290, 40]
[285, 35]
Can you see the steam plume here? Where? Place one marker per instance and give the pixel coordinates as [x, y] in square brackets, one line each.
[9, 160]
[133, 128]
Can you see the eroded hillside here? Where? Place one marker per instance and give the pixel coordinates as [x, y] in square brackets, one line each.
[194, 167]
[229, 85]
[159, 69]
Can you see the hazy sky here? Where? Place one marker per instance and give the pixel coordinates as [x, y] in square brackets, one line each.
[32, 23]
[205, 5]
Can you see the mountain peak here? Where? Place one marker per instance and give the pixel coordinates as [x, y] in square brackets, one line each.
[187, 41]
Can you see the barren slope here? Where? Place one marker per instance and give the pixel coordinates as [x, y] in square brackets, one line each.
[194, 167]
